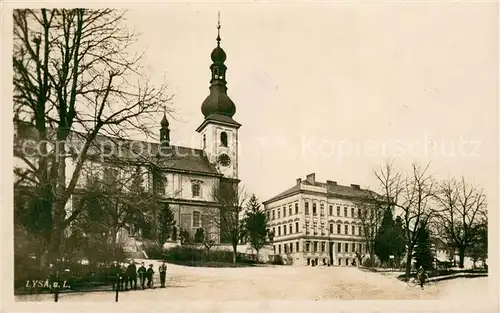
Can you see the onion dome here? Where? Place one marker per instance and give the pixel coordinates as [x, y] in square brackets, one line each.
[164, 122]
[218, 55]
[218, 102]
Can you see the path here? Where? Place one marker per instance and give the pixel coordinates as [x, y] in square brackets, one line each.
[283, 283]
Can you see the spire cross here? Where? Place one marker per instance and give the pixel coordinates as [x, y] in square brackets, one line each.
[218, 28]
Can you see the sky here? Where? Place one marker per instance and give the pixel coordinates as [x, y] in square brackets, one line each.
[336, 89]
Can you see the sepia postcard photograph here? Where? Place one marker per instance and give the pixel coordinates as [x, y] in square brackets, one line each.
[250, 156]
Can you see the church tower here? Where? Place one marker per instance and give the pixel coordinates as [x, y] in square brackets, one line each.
[219, 132]
[164, 131]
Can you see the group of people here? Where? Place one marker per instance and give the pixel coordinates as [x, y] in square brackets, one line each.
[124, 276]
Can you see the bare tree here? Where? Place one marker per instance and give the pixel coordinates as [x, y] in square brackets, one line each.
[461, 215]
[117, 201]
[377, 202]
[370, 217]
[229, 220]
[75, 78]
[415, 206]
[411, 195]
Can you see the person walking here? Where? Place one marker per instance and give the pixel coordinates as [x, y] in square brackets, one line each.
[132, 275]
[163, 273]
[123, 277]
[142, 274]
[149, 275]
[114, 273]
[421, 276]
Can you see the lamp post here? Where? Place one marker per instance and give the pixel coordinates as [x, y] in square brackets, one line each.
[55, 284]
[118, 284]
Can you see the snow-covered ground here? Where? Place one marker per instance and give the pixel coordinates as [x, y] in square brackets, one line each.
[284, 283]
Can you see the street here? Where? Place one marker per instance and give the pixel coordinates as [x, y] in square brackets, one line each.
[282, 283]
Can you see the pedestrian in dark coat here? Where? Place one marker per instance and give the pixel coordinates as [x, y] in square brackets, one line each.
[114, 273]
[163, 273]
[123, 277]
[142, 274]
[132, 274]
[149, 275]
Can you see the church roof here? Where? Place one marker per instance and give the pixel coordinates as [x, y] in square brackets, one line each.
[133, 151]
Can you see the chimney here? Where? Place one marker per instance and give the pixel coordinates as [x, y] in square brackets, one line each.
[299, 180]
[354, 186]
[331, 182]
[311, 178]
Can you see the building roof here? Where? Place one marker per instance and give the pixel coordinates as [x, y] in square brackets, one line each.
[440, 244]
[219, 119]
[291, 191]
[331, 190]
[126, 150]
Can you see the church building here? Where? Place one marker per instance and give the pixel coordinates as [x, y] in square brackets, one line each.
[186, 176]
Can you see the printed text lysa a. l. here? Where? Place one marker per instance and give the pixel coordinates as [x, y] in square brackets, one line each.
[45, 284]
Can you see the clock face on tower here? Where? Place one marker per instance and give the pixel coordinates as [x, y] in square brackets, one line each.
[224, 160]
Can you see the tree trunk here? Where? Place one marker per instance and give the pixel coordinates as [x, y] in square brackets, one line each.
[234, 253]
[408, 262]
[44, 258]
[54, 247]
[461, 255]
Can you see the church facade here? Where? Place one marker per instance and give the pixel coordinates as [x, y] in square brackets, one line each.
[184, 177]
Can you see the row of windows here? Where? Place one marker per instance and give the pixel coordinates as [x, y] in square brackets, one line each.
[159, 186]
[282, 212]
[319, 246]
[354, 230]
[277, 213]
[339, 261]
[315, 247]
[330, 210]
[290, 228]
[287, 247]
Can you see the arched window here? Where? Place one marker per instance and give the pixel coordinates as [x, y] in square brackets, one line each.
[196, 188]
[196, 219]
[204, 141]
[158, 183]
[160, 188]
[223, 139]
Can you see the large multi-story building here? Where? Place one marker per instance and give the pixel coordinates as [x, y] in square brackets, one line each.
[315, 222]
